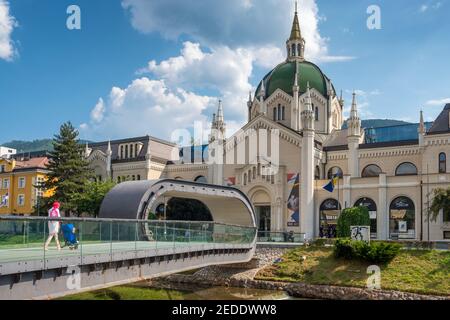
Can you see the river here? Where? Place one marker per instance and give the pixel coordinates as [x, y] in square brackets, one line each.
[147, 291]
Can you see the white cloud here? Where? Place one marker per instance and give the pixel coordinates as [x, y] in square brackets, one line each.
[233, 23]
[145, 107]
[423, 8]
[98, 112]
[438, 102]
[223, 70]
[7, 24]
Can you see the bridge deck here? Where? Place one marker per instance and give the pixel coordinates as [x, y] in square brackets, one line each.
[13, 260]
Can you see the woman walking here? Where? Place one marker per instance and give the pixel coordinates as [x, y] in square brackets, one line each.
[53, 226]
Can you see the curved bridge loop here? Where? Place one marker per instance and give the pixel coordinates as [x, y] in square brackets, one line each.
[135, 199]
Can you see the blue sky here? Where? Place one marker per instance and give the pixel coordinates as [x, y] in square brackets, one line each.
[141, 67]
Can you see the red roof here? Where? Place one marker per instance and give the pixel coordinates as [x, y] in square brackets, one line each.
[32, 163]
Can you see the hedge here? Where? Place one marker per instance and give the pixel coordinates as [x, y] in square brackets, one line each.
[356, 216]
[374, 252]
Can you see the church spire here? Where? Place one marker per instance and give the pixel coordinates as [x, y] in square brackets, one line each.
[354, 110]
[295, 45]
[295, 30]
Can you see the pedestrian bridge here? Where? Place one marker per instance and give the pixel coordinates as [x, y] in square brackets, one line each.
[121, 246]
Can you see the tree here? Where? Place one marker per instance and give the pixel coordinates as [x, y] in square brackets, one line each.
[356, 216]
[90, 200]
[69, 171]
[441, 201]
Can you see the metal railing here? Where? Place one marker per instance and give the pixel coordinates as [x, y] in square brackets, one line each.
[281, 237]
[23, 238]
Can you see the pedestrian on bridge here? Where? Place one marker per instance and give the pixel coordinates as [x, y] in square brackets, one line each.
[53, 226]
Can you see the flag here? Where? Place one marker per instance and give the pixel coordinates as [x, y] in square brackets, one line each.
[291, 178]
[4, 200]
[330, 185]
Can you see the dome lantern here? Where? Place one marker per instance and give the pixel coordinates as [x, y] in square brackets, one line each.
[295, 45]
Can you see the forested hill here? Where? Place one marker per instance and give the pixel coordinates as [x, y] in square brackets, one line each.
[35, 145]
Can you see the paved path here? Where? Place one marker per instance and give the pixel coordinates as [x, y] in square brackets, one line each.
[37, 252]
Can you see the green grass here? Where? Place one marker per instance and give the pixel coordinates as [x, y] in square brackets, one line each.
[418, 271]
[128, 292]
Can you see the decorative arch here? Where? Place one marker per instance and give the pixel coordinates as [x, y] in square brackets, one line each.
[406, 169]
[402, 218]
[371, 170]
[201, 179]
[335, 171]
[442, 165]
[329, 212]
[371, 205]
[135, 199]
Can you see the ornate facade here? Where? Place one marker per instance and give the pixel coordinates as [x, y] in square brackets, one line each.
[391, 170]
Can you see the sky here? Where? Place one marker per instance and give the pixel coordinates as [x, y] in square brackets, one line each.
[140, 67]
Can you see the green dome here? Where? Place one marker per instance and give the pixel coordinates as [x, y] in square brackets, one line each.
[282, 77]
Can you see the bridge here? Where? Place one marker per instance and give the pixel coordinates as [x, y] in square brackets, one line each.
[122, 245]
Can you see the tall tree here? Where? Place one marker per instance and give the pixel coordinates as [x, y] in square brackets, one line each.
[441, 201]
[69, 171]
[90, 200]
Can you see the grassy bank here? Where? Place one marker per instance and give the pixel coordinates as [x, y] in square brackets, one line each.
[424, 271]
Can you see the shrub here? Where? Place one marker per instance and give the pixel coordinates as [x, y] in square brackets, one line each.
[356, 216]
[343, 248]
[375, 252]
[382, 252]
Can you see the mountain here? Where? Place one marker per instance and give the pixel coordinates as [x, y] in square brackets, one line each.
[378, 123]
[35, 145]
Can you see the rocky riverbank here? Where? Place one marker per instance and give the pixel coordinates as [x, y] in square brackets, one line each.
[242, 277]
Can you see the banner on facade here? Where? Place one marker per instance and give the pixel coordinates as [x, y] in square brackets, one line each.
[293, 202]
[230, 181]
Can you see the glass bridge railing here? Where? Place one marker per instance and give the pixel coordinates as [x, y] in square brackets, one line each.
[23, 238]
[281, 237]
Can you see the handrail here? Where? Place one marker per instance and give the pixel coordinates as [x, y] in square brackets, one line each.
[78, 219]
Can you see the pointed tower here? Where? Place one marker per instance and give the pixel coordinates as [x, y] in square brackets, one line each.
[249, 106]
[295, 45]
[295, 102]
[218, 126]
[307, 169]
[262, 95]
[421, 130]
[108, 161]
[86, 150]
[353, 138]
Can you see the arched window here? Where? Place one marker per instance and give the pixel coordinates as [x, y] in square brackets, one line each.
[139, 177]
[316, 113]
[121, 152]
[131, 151]
[279, 112]
[118, 179]
[126, 151]
[245, 179]
[329, 213]
[402, 219]
[335, 172]
[282, 113]
[254, 172]
[201, 179]
[406, 169]
[372, 170]
[372, 207]
[442, 162]
[275, 114]
[317, 173]
[293, 49]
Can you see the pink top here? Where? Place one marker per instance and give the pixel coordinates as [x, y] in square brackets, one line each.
[53, 213]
